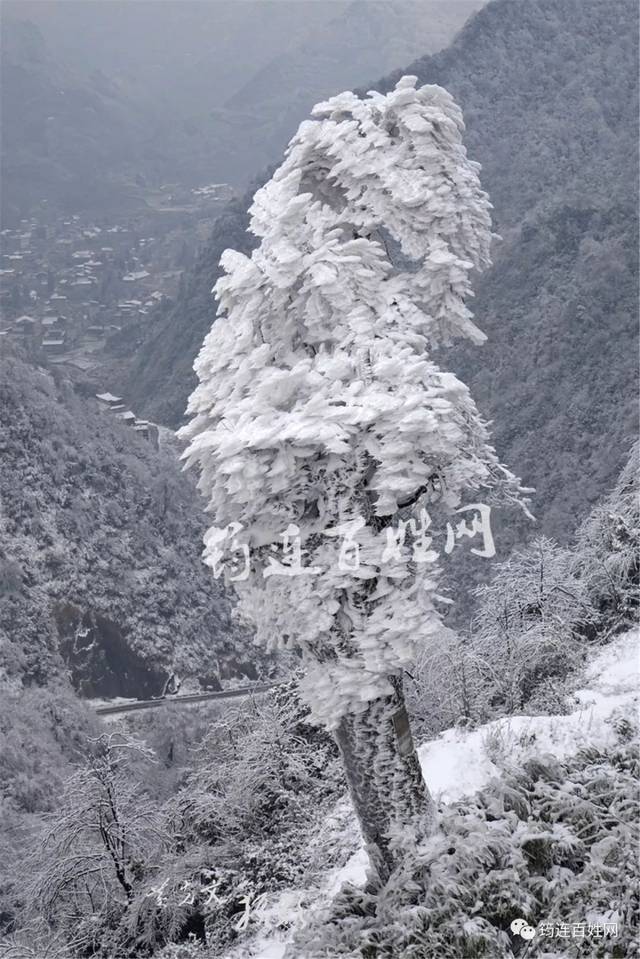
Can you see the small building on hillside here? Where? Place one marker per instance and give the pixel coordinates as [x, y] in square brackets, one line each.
[26, 325]
[49, 324]
[127, 417]
[148, 431]
[108, 401]
[54, 343]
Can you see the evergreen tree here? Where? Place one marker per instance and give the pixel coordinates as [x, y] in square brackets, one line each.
[323, 426]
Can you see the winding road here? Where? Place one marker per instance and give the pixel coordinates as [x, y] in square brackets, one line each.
[186, 700]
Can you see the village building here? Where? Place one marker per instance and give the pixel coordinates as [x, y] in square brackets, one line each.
[49, 323]
[54, 344]
[127, 417]
[135, 276]
[148, 431]
[108, 401]
[26, 325]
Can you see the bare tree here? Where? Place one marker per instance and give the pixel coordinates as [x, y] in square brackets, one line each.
[97, 844]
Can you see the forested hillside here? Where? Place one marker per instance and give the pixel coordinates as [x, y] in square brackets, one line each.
[159, 377]
[548, 96]
[552, 116]
[100, 536]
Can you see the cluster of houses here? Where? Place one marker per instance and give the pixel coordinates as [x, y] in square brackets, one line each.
[47, 333]
[69, 281]
[113, 405]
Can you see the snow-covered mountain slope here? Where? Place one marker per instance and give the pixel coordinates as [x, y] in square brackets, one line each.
[457, 764]
[100, 541]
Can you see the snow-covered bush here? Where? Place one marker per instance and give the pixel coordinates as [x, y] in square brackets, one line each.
[528, 626]
[445, 686]
[35, 941]
[255, 778]
[193, 948]
[526, 637]
[551, 842]
[608, 550]
[96, 848]
[263, 783]
[534, 621]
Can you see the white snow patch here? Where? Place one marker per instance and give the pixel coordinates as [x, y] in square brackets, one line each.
[263, 949]
[459, 763]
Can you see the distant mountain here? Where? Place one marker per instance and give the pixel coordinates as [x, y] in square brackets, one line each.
[100, 541]
[94, 95]
[549, 90]
[68, 139]
[363, 39]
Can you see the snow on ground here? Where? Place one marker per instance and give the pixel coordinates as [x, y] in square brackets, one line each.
[460, 762]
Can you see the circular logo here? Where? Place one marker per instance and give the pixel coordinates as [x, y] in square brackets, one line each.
[520, 927]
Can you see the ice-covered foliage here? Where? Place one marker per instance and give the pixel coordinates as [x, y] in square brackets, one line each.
[321, 411]
[553, 841]
[243, 827]
[536, 620]
[43, 734]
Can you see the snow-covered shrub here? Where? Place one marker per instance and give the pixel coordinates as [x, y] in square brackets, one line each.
[525, 638]
[534, 621]
[35, 941]
[96, 847]
[263, 783]
[191, 949]
[550, 697]
[169, 905]
[446, 686]
[528, 627]
[172, 733]
[607, 556]
[257, 774]
[551, 842]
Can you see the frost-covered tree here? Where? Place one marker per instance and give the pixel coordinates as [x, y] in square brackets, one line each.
[96, 846]
[323, 426]
[527, 630]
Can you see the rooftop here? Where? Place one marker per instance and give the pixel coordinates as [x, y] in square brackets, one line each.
[108, 398]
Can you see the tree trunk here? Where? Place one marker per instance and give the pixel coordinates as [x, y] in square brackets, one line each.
[384, 777]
